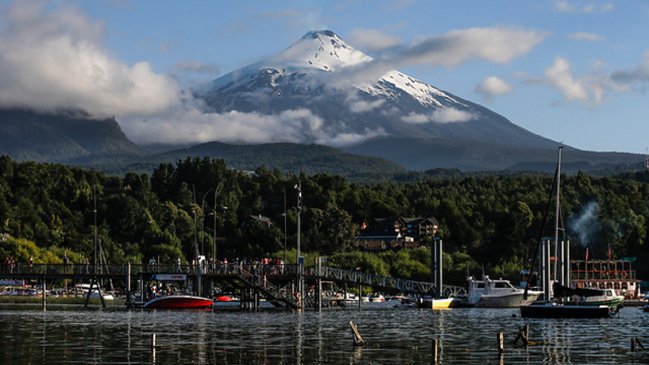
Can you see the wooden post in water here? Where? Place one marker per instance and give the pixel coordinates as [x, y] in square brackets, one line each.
[634, 342]
[153, 348]
[360, 294]
[358, 340]
[435, 353]
[128, 285]
[501, 342]
[319, 284]
[526, 335]
[44, 294]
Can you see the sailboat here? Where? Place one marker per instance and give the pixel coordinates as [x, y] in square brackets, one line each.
[554, 306]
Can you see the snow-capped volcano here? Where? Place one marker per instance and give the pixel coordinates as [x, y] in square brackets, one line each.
[343, 97]
[323, 50]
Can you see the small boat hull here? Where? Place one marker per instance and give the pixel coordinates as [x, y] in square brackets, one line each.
[506, 301]
[444, 303]
[551, 310]
[178, 302]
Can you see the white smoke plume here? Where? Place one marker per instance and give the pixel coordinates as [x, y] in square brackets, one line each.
[585, 224]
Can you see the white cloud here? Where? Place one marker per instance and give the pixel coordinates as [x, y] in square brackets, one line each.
[51, 58]
[493, 86]
[358, 105]
[587, 89]
[560, 76]
[441, 116]
[585, 36]
[450, 115]
[565, 6]
[498, 45]
[373, 39]
[415, 118]
[192, 125]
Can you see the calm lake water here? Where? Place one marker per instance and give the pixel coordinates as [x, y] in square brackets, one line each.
[393, 336]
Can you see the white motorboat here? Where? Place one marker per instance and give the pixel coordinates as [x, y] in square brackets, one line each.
[377, 298]
[498, 293]
[82, 291]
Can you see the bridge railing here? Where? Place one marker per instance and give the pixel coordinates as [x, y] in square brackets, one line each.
[374, 280]
[254, 269]
[137, 269]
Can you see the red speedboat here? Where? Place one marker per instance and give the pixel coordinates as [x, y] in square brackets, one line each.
[178, 302]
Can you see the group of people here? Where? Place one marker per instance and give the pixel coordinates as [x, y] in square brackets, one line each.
[9, 264]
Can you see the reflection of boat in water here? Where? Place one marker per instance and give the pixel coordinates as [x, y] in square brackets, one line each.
[178, 302]
[498, 293]
[406, 303]
[560, 310]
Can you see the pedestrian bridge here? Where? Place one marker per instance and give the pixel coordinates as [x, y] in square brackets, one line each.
[272, 281]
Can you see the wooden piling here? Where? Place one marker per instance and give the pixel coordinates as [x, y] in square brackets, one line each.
[358, 340]
[501, 342]
[153, 360]
[634, 342]
[523, 335]
[44, 295]
[526, 334]
[435, 352]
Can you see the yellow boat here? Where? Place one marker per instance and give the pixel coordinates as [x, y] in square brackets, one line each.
[443, 303]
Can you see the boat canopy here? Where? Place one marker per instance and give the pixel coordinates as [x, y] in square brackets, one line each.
[564, 291]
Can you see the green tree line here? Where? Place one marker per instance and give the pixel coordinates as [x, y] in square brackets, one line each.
[488, 222]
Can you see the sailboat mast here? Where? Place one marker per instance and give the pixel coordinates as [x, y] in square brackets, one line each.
[557, 210]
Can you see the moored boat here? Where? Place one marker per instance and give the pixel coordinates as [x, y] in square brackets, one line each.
[442, 303]
[178, 302]
[498, 293]
[559, 298]
[589, 296]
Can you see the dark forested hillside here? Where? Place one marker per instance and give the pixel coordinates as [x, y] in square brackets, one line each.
[62, 137]
[489, 221]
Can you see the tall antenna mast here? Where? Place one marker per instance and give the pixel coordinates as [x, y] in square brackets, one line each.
[557, 210]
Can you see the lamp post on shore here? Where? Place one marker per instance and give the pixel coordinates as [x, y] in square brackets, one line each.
[285, 225]
[203, 220]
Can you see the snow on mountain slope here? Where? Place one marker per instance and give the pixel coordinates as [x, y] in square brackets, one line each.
[323, 77]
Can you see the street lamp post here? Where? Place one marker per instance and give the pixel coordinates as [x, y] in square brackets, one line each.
[94, 239]
[285, 225]
[203, 220]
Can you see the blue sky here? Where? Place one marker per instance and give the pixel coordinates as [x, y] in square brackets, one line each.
[580, 77]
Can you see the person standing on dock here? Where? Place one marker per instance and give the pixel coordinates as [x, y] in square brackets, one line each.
[31, 264]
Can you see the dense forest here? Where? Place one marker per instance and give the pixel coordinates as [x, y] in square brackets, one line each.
[488, 222]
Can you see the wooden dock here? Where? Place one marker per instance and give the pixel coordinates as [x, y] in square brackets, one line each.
[274, 283]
